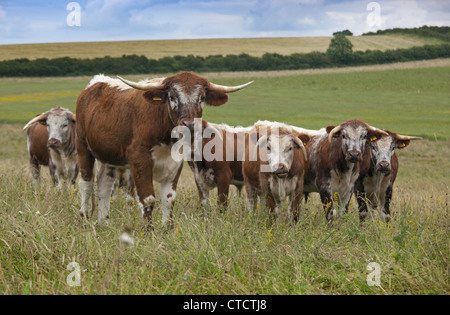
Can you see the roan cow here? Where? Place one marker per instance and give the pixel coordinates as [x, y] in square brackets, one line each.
[336, 158]
[51, 142]
[375, 183]
[220, 164]
[274, 167]
[129, 124]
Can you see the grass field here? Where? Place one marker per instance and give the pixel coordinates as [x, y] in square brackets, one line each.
[204, 47]
[240, 252]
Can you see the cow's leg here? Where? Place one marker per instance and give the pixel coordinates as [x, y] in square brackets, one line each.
[203, 194]
[141, 164]
[168, 196]
[105, 182]
[361, 199]
[385, 207]
[223, 182]
[86, 183]
[57, 166]
[327, 202]
[36, 173]
[295, 200]
[252, 197]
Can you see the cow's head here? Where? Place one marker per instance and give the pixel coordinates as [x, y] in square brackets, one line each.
[59, 122]
[277, 149]
[353, 136]
[383, 150]
[185, 94]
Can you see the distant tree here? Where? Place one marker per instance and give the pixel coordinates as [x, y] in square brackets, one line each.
[344, 32]
[340, 50]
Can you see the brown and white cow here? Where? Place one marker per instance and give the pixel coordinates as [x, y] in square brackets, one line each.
[51, 142]
[375, 184]
[274, 167]
[128, 124]
[220, 162]
[336, 158]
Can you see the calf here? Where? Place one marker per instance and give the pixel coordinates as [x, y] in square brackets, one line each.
[277, 169]
[337, 155]
[375, 183]
[224, 166]
[51, 142]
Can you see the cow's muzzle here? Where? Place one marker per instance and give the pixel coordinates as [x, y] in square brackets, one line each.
[353, 156]
[281, 171]
[53, 143]
[383, 167]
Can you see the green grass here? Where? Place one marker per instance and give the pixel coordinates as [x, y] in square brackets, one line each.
[408, 101]
[239, 252]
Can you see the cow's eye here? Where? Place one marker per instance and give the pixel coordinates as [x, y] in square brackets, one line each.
[268, 148]
[202, 99]
[172, 99]
[343, 136]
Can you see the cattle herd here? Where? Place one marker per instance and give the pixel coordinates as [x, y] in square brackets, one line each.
[133, 130]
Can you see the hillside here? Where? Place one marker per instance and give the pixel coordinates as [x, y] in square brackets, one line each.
[157, 49]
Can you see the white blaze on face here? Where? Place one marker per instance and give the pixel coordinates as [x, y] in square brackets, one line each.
[354, 139]
[58, 126]
[383, 149]
[280, 151]
[180, 96]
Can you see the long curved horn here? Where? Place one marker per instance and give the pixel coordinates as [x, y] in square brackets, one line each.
[143, 85]
[302, 146]
[401, 137]
[378, 129]
[332, 132]
[35, 119]
[230, 89]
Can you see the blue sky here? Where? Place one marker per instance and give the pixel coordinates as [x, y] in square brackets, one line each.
[26, 21]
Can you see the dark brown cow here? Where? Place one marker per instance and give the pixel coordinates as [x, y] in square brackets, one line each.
[123, 123]
[277, 169]
[51, 142]
[220, 169]
[375, 184]
[336, 158]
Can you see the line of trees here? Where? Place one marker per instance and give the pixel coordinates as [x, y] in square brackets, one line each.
[439, 32]
[132, 64]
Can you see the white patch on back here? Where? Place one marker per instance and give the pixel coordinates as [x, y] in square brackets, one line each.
[115, 83]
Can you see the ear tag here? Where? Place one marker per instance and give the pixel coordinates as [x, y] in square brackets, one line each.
[157, 99]
[336, 135]
[373, 139]
[402, 145]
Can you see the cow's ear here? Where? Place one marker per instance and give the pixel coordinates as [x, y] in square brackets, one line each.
[71, 117]
[304, 138]
[400, 144]
[156, 96]
[216, 97]
[330, 128]
[374, 135]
